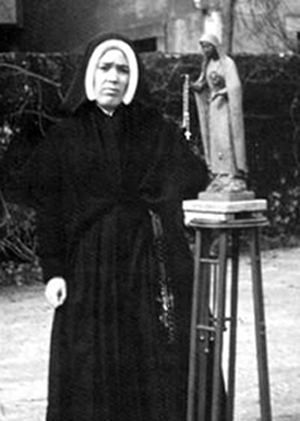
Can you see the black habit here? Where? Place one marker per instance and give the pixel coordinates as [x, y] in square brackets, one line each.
[108, 192]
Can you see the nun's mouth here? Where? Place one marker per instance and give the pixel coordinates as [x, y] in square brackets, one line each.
[110, 91]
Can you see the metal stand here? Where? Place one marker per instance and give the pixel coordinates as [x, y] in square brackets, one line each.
[209, 319]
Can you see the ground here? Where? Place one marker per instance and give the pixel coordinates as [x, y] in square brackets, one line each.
[25, 323]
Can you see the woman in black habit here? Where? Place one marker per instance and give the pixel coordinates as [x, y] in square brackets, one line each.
[107, 184]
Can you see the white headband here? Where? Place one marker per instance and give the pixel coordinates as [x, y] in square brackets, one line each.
[133, 68]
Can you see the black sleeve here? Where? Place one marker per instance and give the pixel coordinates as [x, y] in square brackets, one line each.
[193, 174]
[189, 171]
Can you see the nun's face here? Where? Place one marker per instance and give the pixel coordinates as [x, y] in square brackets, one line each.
[111, 79]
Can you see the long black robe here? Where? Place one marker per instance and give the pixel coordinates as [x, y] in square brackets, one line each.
[118, 352]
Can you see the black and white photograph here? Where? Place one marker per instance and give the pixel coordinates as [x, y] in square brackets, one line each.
[149, 210]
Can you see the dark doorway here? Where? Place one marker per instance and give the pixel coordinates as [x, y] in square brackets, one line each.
[146, 45]
[9, 38]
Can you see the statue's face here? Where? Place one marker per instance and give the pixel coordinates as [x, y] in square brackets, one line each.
[111, 79]
[208, 49]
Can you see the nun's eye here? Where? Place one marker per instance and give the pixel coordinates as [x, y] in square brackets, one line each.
[123, 69]
[104, 67]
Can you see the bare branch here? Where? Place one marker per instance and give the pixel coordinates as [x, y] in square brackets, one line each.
[265, 20]
[227, 10]
[26, 72]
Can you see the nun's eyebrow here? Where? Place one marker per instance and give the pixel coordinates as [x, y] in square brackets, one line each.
[108, 64]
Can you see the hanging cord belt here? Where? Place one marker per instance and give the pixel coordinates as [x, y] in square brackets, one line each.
[166, 298]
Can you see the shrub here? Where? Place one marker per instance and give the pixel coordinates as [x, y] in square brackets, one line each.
[33, 85]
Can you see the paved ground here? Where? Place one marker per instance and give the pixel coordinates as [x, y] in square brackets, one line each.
[25, 321]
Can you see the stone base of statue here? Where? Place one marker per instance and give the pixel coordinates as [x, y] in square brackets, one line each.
[230, 196]
[224, 211]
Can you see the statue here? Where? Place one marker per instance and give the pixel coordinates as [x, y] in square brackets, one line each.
[218, 96]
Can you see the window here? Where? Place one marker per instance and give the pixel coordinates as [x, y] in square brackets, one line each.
[146, 45]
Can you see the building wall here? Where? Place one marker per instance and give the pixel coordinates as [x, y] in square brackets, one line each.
[60, 25]
[8, 12]
[65, 25]
[173, 25]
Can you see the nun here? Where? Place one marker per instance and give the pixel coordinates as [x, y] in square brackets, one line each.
[108, 183]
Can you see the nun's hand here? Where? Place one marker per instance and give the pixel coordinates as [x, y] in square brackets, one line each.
[56, 291]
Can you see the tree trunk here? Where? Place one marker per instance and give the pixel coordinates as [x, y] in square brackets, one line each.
[227, 10]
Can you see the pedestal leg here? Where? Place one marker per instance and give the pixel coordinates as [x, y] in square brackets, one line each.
[193, 332]
[233, 325]
[260, 328]
[219, 326]
[200, 333]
